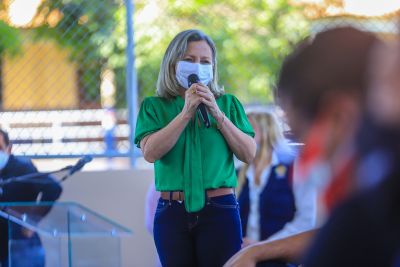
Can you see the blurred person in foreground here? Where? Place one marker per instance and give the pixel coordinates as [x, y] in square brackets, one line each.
[365, 230]
[197, 219]
[321, 87]
[43, 188]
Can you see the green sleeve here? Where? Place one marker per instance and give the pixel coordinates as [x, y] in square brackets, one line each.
[147, 121]
[239, 117]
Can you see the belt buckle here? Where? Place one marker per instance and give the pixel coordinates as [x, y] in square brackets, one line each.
[179, 198]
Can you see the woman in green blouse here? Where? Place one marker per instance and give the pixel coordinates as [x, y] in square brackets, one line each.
[197, 220]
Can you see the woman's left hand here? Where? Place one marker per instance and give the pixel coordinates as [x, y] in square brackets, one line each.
[207, 97]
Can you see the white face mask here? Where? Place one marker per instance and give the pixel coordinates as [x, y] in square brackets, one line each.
[3, 159]
[184, 69]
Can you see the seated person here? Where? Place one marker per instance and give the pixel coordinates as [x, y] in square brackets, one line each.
[267, 191]
[267, 181]
[45, 189]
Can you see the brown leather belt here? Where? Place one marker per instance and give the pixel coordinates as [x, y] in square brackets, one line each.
[179, 195]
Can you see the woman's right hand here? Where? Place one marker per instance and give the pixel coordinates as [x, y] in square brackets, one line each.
[192, 101]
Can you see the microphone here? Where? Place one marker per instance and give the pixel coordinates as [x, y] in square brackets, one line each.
[193, 78]
[79, 165]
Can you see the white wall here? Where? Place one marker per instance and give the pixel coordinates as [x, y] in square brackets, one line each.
[118, 195]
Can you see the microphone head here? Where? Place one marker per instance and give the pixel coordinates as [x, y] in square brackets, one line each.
[193, 78]
[79, 165]
[87, 158]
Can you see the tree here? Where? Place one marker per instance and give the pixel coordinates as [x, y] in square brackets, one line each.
[252, 38]
[10, 44]
[89, 30]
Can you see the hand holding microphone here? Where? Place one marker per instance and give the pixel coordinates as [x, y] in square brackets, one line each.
[209, 103]
[193, 78]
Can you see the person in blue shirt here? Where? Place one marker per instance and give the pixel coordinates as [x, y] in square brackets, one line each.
[30, 251]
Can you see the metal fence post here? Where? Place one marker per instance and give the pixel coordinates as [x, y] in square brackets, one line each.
[131, 84]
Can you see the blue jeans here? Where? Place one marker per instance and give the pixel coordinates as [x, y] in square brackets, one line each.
[206, 238]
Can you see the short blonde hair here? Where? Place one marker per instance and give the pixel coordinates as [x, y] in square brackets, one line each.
[167, 84]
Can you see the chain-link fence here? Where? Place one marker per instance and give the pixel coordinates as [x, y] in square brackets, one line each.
[64, 87]
[63, 82]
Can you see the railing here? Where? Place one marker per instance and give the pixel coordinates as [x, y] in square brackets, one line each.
[68, 133]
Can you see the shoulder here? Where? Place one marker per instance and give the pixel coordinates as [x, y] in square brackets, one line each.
[230, 102]
[157, 101]
[285, 153]
[151, 100]
[20, 161]
[227, 98]
[20, 164]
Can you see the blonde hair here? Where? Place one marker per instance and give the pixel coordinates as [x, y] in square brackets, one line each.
[270, 137]
[167, 84]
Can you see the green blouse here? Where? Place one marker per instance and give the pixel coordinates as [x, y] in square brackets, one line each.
[201, 158]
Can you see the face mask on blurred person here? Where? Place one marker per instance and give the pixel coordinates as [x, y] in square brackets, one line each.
[3, 159]
[184, 69]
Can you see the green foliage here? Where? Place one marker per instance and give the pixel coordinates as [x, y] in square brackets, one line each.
[252, 38]
[89, 29]
[10, 40]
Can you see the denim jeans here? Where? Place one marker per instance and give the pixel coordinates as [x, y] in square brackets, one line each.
[206, 238]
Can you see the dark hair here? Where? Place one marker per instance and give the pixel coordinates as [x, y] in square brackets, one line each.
[5, 136]
[334, 60]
